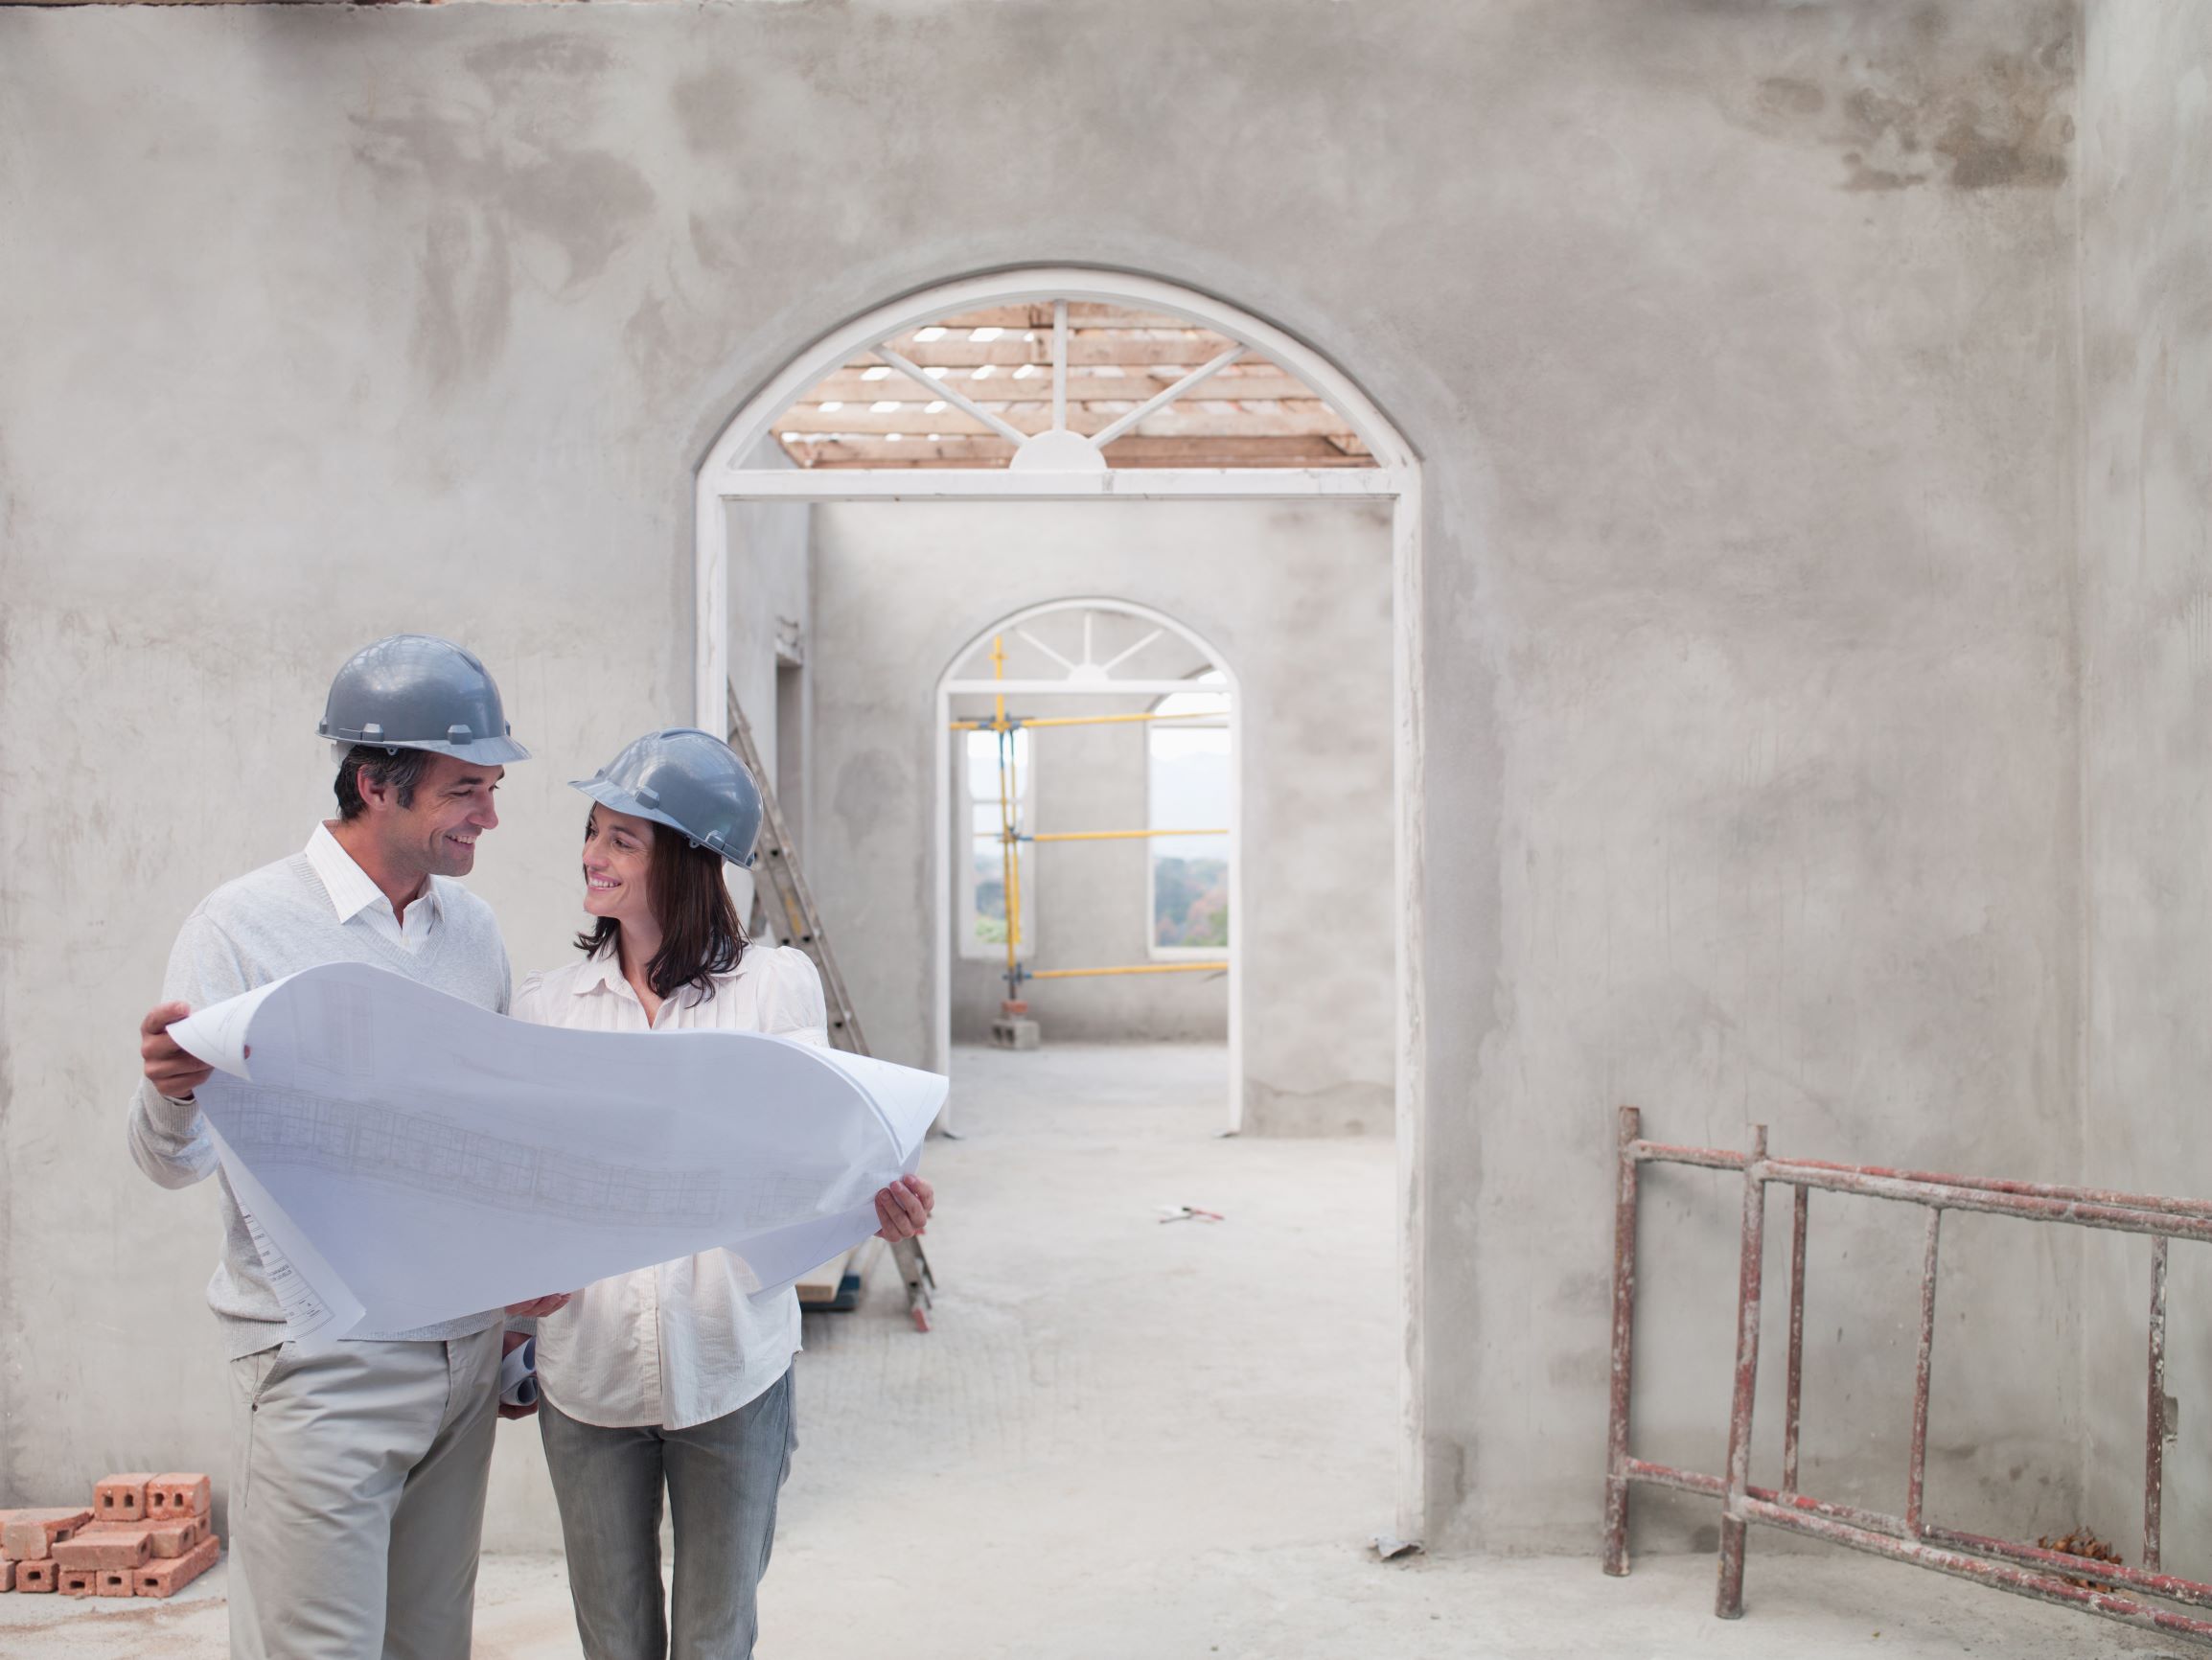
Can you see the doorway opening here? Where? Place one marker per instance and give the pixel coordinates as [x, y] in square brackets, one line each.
[1080, 760]
[1031, 400]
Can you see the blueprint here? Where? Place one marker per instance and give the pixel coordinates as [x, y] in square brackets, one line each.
[406, 1157]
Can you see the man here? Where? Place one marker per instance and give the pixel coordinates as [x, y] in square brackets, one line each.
[357, 1499]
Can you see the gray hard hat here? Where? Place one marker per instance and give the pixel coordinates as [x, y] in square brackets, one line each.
[420, 692]
[688, 780]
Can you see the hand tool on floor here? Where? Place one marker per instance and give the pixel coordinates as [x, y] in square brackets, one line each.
[795, 921]
[1190, 1213]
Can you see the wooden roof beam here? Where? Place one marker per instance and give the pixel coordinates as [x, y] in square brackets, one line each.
[1084, 386]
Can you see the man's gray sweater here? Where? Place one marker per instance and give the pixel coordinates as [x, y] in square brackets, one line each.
[272, 922]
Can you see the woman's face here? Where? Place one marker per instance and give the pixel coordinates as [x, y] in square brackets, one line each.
[617, 854]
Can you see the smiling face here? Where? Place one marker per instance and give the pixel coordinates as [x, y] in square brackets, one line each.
[618, 863]
[435, 833]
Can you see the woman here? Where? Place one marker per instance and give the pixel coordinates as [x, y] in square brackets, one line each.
[674, 1375]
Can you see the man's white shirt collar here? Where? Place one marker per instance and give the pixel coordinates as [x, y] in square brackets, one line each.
[353, 892]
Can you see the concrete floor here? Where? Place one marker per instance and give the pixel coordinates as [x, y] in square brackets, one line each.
[1126, 1439]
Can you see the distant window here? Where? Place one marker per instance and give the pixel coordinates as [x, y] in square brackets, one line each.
[1190, 785]
[983, 895]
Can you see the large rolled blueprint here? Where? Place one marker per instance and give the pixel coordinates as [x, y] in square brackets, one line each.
[406, 1157]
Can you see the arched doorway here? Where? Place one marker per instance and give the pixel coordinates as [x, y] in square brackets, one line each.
[1063, 458]
[1154, 656]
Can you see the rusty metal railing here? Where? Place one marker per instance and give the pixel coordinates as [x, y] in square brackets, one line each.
[2027, 1569]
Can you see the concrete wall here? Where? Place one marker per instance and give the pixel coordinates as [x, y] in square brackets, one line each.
[770, 621]
[1296, 599]
[2146, 153]
[1738, 341]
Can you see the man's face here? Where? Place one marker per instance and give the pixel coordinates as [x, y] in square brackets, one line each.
[437, 835]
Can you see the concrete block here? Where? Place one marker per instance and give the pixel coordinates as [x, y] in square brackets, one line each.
[29, 1537]
[166, 1579]
[121, 1498]
[38, 1576]
[178, 1494]
[176, 1536]
[77, 1582]
[116, 1546]
[1014, 1033]
[116, 1582]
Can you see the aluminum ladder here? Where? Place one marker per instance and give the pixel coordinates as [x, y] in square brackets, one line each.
[780, 883]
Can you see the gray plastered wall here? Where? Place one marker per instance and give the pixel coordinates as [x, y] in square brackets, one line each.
[2146, 346]
[1739, 346]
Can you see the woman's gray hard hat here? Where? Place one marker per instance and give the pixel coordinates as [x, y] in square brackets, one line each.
[690, 781]
[420, 692]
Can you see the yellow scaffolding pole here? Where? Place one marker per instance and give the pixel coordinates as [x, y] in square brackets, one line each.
[1000, 720]
[1010, 861]
[1145, 968]
[1098, 835]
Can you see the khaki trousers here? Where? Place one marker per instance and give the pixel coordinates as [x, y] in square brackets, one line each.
[357, 1499]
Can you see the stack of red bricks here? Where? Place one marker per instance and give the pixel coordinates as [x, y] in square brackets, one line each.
[143, 1536]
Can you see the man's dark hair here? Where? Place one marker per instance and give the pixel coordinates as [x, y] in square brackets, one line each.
[400, 769]
[700, 936]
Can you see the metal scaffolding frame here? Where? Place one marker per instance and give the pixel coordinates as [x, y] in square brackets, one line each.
[2027, 1570]
[1010, 835]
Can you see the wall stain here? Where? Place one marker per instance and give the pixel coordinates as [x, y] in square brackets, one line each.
[507, 193]
[1928, 107]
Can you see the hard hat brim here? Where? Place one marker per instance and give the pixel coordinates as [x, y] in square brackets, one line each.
[608, 794]
[490, 752]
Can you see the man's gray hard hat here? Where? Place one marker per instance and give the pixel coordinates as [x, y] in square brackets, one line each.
[688, 780]
[420, 692]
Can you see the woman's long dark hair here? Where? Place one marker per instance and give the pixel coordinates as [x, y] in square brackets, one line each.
[700, 936]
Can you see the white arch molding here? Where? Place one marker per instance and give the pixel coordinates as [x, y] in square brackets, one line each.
[722, 477]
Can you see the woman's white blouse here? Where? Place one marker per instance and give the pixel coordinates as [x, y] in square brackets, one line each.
[682, 1342]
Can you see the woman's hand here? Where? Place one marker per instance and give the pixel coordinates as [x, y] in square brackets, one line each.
[538, 1306]
[903, 1209]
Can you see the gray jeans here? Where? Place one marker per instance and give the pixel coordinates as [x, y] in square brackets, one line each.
[723, 1477]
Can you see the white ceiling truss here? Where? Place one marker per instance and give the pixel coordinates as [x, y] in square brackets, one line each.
[1065, 385]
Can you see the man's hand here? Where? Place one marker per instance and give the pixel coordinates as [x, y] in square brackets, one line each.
[170, 1067]
[903, 1207]
[509, 1343]
[536, 1306]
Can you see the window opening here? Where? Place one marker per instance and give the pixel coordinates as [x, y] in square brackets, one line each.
[984, 889]
[1189, 773]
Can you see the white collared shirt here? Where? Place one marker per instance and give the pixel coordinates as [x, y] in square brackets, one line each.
[684, 1343]
[356, 897]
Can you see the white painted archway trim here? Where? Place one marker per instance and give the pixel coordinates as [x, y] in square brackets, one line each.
[1396, 477]
[949, 686]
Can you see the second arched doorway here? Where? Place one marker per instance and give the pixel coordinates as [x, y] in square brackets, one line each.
[1058, 673]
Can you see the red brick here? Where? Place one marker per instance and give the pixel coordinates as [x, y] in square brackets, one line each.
[116, 1582]
[121, 1498]
[178, 1494]
[78, 1582]
[176, 1536]
[164, 1579]
[101, 1546]
[29, 1535]
[6, 1575]
[38, 1576]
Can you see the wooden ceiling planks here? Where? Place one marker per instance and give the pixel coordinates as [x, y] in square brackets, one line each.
[1249, 414]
